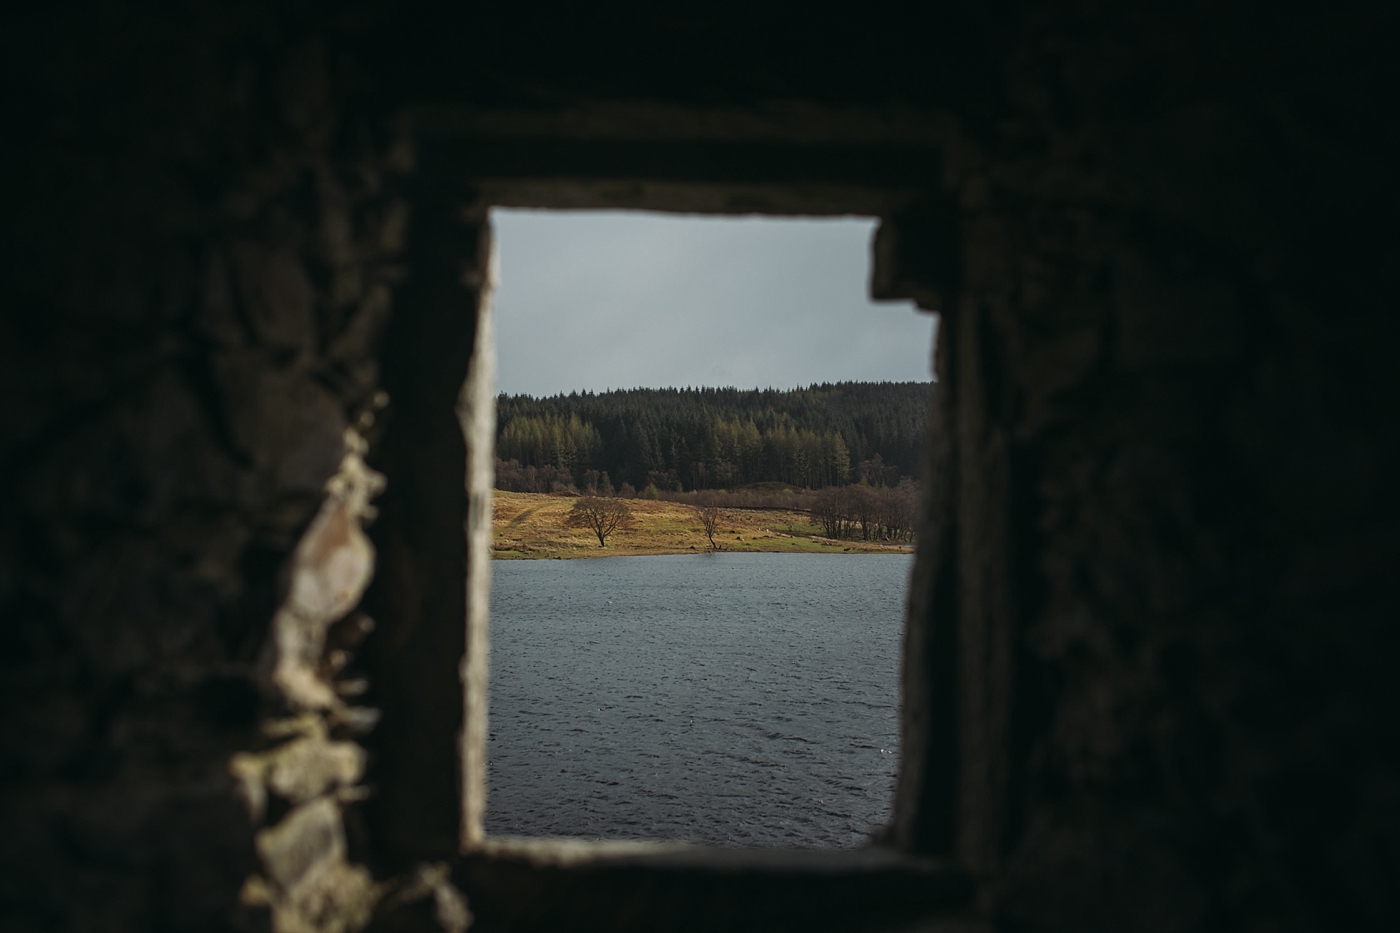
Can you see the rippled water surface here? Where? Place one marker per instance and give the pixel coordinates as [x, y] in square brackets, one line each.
[740, 699]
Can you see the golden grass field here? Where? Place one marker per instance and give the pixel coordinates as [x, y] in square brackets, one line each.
[531, 525]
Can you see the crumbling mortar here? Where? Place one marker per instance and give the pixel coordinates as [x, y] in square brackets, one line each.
[307, 883]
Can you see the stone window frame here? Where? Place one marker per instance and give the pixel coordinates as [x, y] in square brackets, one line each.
[923, 865]
[858, 874]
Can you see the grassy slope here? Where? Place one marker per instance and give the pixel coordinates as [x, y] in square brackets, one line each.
[531, 525]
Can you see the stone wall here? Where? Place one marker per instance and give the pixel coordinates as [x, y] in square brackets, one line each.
[203, 245]
[1147, 671]
[1165, 404]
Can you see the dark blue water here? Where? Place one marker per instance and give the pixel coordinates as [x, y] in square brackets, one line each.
[729, 699]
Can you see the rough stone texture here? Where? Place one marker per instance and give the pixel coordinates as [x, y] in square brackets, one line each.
[328, 572]
[307, 882]
[1147, 675]
[201, 231]
[1168, 403]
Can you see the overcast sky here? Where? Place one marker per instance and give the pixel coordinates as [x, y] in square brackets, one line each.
[613, 299]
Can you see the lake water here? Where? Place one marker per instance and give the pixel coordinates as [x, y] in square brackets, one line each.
[728, 699]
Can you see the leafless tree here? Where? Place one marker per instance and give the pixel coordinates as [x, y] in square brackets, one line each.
[831, 510]
[899, 510]
[887, 513]
[862, 504]
[706, 508]
[600, 515]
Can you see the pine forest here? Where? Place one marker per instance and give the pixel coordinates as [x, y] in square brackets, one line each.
[712, 438]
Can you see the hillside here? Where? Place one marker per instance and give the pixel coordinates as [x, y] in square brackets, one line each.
[531, 525]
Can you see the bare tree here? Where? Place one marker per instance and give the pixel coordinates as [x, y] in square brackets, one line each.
[862, 504]
[899, 510]
[707, 510]
[602, 516]
[831, 510]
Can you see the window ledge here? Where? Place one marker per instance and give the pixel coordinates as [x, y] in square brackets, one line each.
[575, 884]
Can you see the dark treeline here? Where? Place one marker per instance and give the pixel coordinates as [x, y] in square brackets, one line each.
[823, 435]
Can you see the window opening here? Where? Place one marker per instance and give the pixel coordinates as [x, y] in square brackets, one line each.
[729, 680]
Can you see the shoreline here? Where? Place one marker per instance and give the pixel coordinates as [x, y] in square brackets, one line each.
[530, 526]
[610, 551]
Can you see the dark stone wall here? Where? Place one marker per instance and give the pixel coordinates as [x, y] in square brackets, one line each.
[200, 232]
[1169, 396]
[1156, 601]
[419, 597]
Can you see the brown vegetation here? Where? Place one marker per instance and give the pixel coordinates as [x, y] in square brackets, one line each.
[875, 514]
[533, 525]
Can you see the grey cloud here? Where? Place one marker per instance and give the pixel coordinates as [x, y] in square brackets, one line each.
[598, 300]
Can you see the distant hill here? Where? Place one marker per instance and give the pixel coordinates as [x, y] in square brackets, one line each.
[823, 435]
